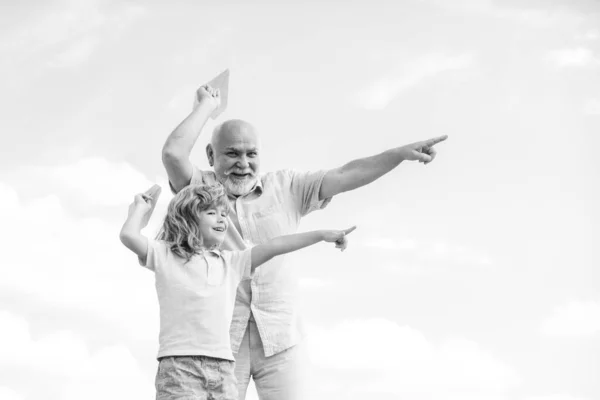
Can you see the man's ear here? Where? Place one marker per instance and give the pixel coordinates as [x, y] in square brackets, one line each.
[210, 154]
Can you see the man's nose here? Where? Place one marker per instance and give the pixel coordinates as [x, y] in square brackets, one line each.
[243, 162]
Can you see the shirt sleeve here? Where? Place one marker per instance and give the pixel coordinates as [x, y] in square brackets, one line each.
[157, 255]
[305, 187]
[240, 262]
[199, 177]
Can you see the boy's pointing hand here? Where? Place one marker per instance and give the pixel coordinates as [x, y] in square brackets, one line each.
[339, 237]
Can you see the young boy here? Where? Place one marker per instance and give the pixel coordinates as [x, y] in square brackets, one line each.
[196, 283]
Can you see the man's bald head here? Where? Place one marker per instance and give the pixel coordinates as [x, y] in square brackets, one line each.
[234, 153]
[232, 130]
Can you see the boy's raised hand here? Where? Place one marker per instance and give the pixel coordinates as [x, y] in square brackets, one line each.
[144, 203]
[339, 237]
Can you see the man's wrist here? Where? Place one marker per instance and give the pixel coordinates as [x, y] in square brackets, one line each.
[399, 154]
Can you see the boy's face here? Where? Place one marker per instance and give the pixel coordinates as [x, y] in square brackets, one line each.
[213, 225]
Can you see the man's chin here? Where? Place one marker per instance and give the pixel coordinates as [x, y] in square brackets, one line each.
[239, 187]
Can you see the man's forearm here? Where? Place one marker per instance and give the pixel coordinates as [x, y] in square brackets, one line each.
[360, 172]
[182, 140]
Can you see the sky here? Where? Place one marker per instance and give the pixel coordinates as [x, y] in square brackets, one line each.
[473, 277]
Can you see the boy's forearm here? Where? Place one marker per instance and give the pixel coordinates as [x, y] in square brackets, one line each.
[182, 140]
[288, 243]
[133, 224]
[282, 245]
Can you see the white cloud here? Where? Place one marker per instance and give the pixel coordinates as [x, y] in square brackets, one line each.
[429, 253]
[110, 372]
[379, 94]
[67, 36]
[572, 58]
[460, 254]
[403, 361]
[592, 107]
[577, 318]
[99, 182]
[9, 394]
[387, 243]
[76, 54]
[73, 266]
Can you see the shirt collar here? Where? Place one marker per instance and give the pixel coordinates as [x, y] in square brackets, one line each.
[215, 251]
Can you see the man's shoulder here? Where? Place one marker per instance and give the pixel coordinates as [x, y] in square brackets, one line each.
[282, 176]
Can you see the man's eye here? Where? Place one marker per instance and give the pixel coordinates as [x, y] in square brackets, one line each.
[231, 154]
[252, 154]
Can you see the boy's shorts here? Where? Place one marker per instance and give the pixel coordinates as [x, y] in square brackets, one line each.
[196, 377]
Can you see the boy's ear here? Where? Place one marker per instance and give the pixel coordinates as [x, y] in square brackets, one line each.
[210, 154]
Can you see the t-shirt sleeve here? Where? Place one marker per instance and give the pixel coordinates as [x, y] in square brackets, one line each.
[157, 255]
[240, 262]
[199, 177]
[305, 187]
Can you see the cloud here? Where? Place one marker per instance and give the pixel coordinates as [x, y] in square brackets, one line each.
[577, 318]
[74, 267]
[429, 254]
[97, 181]
[9, 394]
[572, 58]
[387, 243]
[401, 360]
[382, 92]
[109, 372]
[67, 37]
[77, 53]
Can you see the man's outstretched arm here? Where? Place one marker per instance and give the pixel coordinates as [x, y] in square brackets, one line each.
[178, 147]
[363, 171]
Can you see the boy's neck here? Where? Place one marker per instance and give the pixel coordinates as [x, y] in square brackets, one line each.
[216, 246]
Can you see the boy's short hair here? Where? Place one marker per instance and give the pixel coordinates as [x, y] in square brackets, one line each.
[181, 227]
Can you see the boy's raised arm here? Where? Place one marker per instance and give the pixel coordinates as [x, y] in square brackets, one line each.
[176, 150]
[286, 244]
[137, 219]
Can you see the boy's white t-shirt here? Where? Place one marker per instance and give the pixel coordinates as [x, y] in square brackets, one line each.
[196, 299]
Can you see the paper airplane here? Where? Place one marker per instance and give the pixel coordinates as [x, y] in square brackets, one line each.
[154, 194]
[220, 82]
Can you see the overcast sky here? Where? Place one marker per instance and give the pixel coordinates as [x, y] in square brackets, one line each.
[473, 277]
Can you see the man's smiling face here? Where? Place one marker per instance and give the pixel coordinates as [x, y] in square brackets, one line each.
[234, 154]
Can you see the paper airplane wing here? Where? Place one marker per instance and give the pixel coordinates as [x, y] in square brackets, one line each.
[220, 82]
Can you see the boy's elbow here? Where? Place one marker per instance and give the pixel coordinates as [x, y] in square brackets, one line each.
[125, 237]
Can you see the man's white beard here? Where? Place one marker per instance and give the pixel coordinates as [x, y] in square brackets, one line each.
[238, 187]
